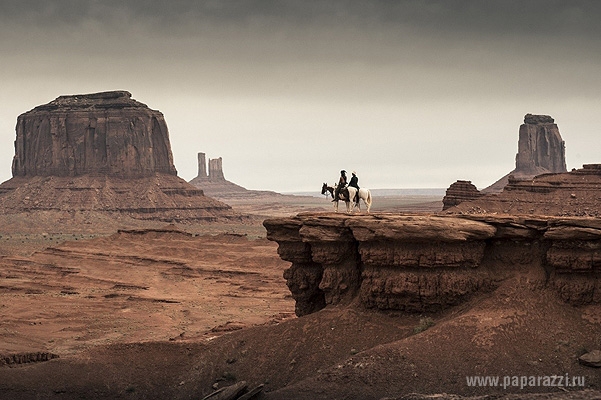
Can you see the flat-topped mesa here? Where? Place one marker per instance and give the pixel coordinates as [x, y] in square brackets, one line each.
[106, 133]
[104, 153]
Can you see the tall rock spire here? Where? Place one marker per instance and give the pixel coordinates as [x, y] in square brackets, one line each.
[540, 147]
[541, 150]
[202, 165]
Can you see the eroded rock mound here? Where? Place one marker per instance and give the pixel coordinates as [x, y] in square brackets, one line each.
[458, 192]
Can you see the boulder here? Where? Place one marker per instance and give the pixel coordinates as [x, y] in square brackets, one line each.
[591, 359]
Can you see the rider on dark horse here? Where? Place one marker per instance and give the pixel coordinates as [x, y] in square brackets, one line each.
[341, 187]
[355, 183]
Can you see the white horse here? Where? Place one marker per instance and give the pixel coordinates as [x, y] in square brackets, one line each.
[364, 194]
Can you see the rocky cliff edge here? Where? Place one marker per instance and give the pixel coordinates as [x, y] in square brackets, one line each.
[429, 263]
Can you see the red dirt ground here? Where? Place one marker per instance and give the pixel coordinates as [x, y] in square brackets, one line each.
[180, 311]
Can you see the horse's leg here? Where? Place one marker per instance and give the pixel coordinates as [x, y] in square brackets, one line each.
[336, 206]
[350, 205]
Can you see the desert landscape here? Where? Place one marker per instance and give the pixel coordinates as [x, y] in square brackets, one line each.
[121, 280]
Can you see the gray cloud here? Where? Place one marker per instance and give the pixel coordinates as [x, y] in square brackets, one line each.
[422, 77]
[545, 17]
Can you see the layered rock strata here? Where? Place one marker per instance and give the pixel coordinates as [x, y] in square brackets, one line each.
[106, 133]
[575, 193]
[429, 263]
[159, 197]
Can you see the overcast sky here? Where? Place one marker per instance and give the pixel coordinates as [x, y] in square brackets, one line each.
[410, 94]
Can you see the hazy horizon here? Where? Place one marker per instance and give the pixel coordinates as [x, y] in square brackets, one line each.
[410, 94]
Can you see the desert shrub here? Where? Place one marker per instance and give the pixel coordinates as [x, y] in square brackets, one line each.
[424, 323]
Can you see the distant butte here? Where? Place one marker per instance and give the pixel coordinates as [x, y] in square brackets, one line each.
[541, 150]
[101, 152]
[106, 133]
[214, 184]
[569, 194]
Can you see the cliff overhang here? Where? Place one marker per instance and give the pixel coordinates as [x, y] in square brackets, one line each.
[427, 263]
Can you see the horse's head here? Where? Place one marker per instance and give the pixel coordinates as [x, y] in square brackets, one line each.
[324, 188]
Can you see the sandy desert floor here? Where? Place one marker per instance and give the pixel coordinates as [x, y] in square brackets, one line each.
[73, 281]
[137, 286]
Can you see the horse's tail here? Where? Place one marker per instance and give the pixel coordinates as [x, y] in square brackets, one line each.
[368, 200]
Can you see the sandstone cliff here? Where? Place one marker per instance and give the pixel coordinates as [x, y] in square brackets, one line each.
[540, 146]
[429, 263]
[105, 133]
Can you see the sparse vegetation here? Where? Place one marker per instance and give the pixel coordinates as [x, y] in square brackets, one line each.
[424, 324]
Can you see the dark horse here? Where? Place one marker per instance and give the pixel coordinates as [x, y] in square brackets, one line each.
[341, 196]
